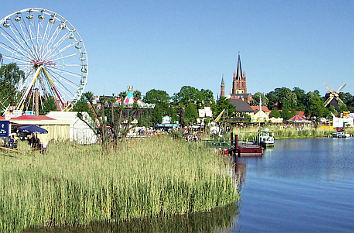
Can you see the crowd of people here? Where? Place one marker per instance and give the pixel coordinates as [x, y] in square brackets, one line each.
[10, 142]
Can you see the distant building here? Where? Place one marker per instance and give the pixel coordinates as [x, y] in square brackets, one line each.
[222, 87]
[239, 85]
[241, 106]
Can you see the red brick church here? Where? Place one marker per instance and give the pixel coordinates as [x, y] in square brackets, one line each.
[239, 85]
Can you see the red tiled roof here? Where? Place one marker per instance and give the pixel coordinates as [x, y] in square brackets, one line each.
[301, 113]
[2, 118]
[32, 118]
[256, 107]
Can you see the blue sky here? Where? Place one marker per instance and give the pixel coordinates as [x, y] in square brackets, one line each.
[169, 44]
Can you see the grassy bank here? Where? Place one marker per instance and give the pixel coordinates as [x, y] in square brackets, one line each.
[75, 184]
[286, 132]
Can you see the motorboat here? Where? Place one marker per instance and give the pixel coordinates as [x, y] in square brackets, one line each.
[341, 135]
[266, 139]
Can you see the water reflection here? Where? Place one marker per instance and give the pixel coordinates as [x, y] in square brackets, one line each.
[218, 220]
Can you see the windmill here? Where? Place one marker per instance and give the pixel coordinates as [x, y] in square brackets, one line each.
[332, 96]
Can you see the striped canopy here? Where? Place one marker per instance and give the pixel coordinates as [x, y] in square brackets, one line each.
[297, 118]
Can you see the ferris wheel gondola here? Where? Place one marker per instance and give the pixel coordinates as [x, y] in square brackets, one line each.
[50, 52]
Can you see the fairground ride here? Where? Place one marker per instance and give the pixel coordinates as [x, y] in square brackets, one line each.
[52, 55]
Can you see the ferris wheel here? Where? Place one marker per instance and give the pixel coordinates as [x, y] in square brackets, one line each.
[51, 54]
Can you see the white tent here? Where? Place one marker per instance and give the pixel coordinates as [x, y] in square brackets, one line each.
[79, 130]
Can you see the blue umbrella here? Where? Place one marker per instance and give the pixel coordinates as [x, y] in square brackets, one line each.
[32, 129]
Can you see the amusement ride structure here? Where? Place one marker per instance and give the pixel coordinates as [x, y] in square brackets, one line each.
[332, 96]
[52, 55]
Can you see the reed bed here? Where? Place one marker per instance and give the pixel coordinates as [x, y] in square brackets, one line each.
[75, 185]
[286, 132]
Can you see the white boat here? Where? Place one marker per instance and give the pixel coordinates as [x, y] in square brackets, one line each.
[341, 135]
[266, 139]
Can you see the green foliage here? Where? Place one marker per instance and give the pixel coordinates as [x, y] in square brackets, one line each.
[257, 96]
[75, 184]
[315, 105]
[137, 95]
[221, 104]
[81, 106]
[301, 98]
[10, 76]
[48, 105]
[286, 114]
[189, 100]
[162, 107]
[275, 113]
[190, 114]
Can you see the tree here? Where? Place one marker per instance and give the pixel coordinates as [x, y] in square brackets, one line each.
[275, 113]
[256, 98]
[286, 114]
[191, 113]
[314, 105]
[10, 76]
[82, 106]
[221, 104]
[188, 96]
[286, 98]
[47, 106]
[162, 105]
[272, 99]
[137, 95]
[300, 97]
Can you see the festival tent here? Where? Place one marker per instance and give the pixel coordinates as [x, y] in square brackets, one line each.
[298, 119]
[79, 130]
[57, 129]
[32, 129]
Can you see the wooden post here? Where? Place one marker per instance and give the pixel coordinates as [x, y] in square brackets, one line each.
[232, 138]
[236, 141]
[36, 101]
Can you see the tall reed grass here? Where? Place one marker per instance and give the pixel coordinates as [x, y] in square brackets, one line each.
[74, 185]
[288, 132]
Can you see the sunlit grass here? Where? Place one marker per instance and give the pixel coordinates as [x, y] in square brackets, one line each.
[75, 184]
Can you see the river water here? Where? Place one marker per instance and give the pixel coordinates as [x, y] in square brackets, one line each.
[299, 186]
[304, 185]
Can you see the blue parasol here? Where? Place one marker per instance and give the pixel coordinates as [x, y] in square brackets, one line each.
[32, 129]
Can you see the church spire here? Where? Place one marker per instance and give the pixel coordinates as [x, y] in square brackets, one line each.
[222, 91]
[239, 68]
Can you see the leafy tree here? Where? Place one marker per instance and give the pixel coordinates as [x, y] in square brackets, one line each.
[286, 114]
[293, 113]
[47, 106]
[221, 104]
[275, 113]
[315, 105]
[272, 99]
[81, 106]
[137, 95]
[157, 97]
[286, 98]
[188, 96]
[161, 99]
[207, 97]
[301, 98]
[256, 98]
[10, 76]
[191, 113]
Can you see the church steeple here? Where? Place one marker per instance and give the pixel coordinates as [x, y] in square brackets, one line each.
[222, 87]
[239, 85]
[239, 68]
